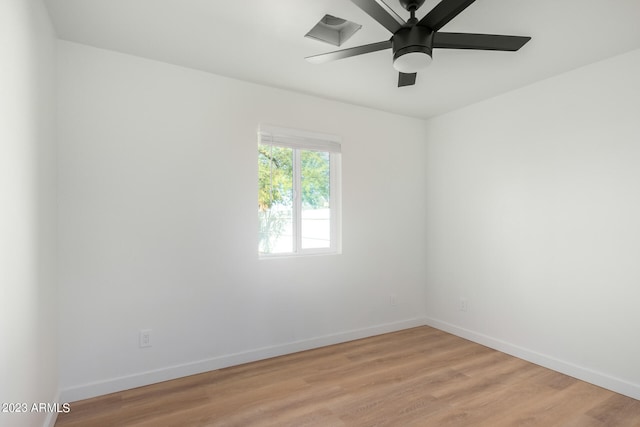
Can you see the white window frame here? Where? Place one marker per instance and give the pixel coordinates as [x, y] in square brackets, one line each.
[310, 141]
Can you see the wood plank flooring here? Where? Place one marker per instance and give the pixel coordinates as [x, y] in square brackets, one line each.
[416, 377]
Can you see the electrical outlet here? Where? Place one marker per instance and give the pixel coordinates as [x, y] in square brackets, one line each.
[393, 300]
[144, 338]
[464, 304]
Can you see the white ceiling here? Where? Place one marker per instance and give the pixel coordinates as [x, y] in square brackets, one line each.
[263, 41]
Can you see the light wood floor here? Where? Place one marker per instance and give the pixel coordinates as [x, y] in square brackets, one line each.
[416, 377]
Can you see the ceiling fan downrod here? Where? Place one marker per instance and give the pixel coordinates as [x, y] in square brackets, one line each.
[412, 6]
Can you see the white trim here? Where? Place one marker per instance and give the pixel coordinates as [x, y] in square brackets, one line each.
[600, 379]
[98, 388]
[297, 202]
[305, 134]
[52, 417]
[296, 138]
[335, 201]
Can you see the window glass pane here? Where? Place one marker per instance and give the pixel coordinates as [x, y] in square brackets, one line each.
[275, 199]
[315, 191]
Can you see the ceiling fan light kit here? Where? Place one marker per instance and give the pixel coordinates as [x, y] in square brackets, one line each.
[412, 49]
[412, 62]
[413, 41]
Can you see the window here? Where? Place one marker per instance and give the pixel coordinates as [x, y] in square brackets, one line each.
[298, 192]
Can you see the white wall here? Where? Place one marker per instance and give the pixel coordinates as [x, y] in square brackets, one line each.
[158, 224]
[28, 316]
[530, 202]
[533, 207]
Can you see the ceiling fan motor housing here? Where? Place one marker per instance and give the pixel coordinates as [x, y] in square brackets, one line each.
[412, 39]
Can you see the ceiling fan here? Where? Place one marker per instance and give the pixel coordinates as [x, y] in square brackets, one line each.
[412, 41]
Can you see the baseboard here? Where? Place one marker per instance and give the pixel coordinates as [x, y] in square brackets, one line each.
[99, 388]
[600, 379]
[50, 420]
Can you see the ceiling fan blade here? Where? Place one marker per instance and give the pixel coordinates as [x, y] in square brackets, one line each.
[382, 13]
[405, 79]
[444, 12]
[478, 41]
[346, 53]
